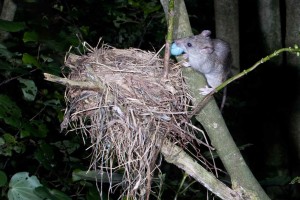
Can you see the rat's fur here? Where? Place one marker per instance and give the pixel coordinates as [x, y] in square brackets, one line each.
[211, 57]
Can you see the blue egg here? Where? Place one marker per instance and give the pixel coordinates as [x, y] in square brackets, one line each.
[175, 50]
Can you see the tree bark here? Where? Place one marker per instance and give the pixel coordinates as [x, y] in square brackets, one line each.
[8, 13]
[183, 21]
[227, 28]
[292, 30]
[292, 38]
[270, 26]
[215, 127]
[210, 117]
[175, 155]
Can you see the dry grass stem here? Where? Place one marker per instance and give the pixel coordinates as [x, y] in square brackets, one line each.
[129, 114]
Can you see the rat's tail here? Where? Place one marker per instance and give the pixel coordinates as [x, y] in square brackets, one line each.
[223, 99]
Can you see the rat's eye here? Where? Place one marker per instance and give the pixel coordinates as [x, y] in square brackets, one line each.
[189, 44]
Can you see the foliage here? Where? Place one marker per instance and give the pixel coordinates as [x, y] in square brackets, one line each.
[31, 109]
[24, 187]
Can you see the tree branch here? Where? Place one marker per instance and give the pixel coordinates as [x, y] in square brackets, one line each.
[175, 155]
[207, 98]
[70, 83]
[169, 38]
[8, 13]
[213, 123]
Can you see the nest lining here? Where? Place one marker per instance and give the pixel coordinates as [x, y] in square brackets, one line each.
[127, 109]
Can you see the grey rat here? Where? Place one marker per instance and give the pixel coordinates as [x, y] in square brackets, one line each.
[211, 57]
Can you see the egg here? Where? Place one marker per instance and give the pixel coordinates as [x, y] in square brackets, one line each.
[175, 50]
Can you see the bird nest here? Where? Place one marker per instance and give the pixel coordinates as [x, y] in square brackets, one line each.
[119, 99]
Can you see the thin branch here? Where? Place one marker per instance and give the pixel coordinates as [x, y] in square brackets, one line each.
[207, 98]
[8, 13]
[169, 38]
[16, 77]
[295, 50]
[70, 83]
[177, 156]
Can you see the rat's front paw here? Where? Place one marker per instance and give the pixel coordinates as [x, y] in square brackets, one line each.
[185, 64]
[206, 90]
[185, 56]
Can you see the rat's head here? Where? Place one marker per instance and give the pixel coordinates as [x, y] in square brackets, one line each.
[198, 44]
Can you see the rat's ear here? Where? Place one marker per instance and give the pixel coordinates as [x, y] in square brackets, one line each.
[206, 33]
[207, 50]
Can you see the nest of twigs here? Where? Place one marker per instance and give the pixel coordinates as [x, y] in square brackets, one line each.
[124, 105]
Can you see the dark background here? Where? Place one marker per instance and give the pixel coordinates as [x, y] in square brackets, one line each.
[257, 112]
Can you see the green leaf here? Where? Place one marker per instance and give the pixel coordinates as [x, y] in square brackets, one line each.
[60, 195]
[98, 176]
[45, 193]
[45, 156]
[30, 36]
[3, 178]
[8, 144]
[10, 26]
[46, 59]
[66, 145]
[53, 103]
[29, 89]
[9, 138]
[5, 52]
[93, 194]
[150, 7]
[52, 68]
[28, 59]
[25, 131]
[21, 187]
[35, 128]
[41, 128]
[10, 112]
[19, 148]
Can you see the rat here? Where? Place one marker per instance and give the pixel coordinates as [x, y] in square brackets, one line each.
[210, 57]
